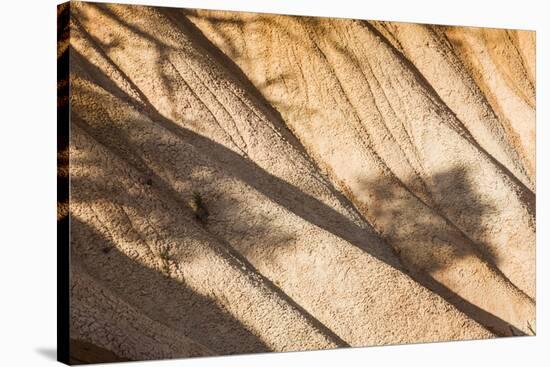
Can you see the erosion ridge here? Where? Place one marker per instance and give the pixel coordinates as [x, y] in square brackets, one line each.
[365, 183]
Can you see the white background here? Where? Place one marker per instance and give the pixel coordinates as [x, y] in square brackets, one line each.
[28, 182]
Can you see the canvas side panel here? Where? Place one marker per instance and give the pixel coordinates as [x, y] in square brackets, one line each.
[63, 36]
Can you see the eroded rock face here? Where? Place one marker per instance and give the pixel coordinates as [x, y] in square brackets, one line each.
[248, 183]
[417, 137]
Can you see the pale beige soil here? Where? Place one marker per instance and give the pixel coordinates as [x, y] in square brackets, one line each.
[365, 183]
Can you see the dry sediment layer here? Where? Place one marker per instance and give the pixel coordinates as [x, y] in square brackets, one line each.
[361, 189]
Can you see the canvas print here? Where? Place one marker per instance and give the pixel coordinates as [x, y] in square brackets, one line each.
[235, 182]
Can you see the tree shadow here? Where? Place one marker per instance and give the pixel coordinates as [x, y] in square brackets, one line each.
[178, 17]
[181, 17]
[218, 23]
[235, 165]
[159, 296]
[381, 192]
[525, 194]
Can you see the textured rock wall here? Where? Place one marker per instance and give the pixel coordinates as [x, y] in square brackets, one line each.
[249, 183]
